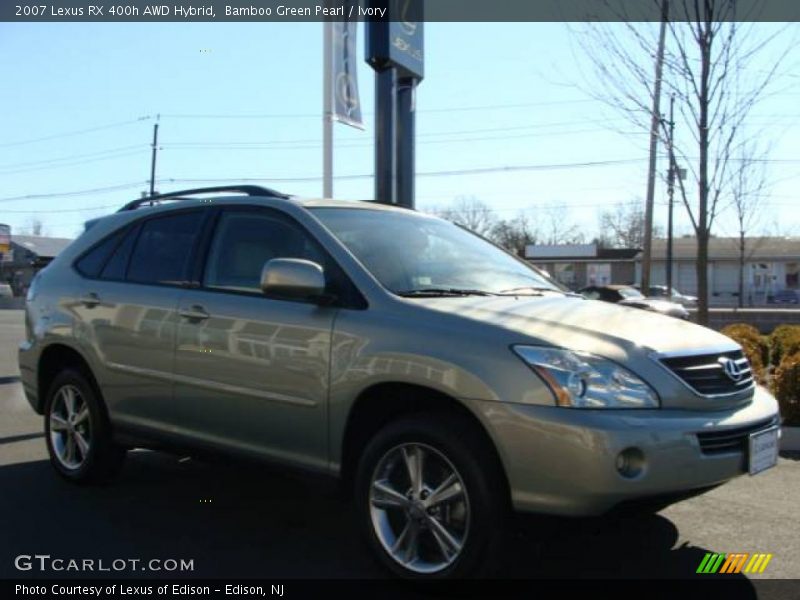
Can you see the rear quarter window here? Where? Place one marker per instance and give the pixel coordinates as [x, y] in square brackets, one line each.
[93, 261]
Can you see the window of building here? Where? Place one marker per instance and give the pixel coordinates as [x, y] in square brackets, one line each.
[792, 275]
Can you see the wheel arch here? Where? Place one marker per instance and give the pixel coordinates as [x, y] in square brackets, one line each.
[379, 404]
[54, 359]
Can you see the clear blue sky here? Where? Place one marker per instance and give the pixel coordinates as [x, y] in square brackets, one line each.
[262, 84]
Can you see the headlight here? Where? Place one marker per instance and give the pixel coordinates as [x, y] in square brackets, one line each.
[580, 380]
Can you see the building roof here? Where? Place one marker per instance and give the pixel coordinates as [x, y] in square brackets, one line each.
[43, 247]
[727, 248]
[578, 253]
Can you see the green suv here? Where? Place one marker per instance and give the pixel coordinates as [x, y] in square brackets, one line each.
[445, 381]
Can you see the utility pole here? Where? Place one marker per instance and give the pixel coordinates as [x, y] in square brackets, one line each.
[153, 161]
[670, 191]
[655, 122]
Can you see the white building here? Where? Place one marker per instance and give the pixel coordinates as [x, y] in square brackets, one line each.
[772, 264]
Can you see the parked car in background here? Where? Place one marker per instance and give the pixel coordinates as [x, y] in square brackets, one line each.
[662, 291]
[627, 295]
[6, 291]
[444, 380]
[784, 297]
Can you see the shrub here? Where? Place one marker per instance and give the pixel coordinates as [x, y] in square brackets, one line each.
[785, 340]
[755, 348]
[786, 386]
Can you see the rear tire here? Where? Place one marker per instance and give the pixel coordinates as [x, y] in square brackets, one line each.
[78, 432]
[445, 519]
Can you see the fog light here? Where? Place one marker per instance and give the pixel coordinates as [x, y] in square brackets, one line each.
[630, 463]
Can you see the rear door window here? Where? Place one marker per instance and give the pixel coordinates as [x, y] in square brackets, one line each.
[164, 247]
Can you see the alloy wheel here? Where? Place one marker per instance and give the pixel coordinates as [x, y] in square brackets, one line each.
[70, 427]
[419, 508]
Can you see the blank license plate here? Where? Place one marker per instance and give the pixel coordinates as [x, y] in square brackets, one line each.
[763, 452]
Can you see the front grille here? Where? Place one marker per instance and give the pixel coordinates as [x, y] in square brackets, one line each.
[721, 441]
[705, 374]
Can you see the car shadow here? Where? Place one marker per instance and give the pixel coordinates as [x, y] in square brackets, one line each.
[235, 519]
[629, 546]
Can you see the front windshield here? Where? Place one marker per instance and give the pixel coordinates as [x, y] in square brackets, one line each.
[412, 252]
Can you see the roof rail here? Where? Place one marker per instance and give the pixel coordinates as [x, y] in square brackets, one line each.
[250, 190]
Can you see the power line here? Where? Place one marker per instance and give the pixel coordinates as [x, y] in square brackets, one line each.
[61, 210]
[48, 167]
[473, 171]
[72, 157]
[317, 115]
[440, 197]
[74, 133]
[100, 190]
[420, 135]
[443, 173]
[344, 145]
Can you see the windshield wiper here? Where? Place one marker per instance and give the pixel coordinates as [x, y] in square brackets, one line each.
[528, 288]
[537, 291]
[443, 292]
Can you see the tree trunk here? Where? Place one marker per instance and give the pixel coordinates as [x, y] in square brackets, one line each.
[741, 268]
[702, 277]
[703, 232]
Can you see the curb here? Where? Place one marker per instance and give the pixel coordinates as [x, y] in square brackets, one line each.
[790, 439]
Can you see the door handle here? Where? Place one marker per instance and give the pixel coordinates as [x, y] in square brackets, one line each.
[90, 300]
[194, 313]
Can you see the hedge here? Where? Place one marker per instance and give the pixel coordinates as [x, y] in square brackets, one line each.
[786, 386]
[784, 341]
[755, 348]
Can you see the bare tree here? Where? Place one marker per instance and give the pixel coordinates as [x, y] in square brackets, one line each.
[514, 234]
[556, 227]
[708, 67]
[749, 185]
[469, 212]
[622, 226]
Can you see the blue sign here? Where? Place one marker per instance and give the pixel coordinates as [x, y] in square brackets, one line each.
[397, 39]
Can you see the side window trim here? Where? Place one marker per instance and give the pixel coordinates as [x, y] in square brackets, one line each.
[202, 249]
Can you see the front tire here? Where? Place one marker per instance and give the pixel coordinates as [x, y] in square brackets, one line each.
[430, 498]
[77, 431]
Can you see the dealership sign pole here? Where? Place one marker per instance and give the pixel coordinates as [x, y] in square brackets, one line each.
[395, 51]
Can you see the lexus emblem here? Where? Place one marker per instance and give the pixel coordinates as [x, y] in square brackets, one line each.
[732, 370]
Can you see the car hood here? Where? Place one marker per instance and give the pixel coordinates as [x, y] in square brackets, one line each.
[629, 336]
[589, 325]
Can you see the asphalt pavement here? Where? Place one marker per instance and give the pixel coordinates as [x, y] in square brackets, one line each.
[243, 520]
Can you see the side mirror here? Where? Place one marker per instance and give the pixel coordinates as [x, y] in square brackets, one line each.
[292, 278]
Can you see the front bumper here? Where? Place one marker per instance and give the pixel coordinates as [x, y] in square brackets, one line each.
[564, 461]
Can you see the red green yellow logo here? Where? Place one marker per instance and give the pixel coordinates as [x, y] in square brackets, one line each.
[741, 562]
